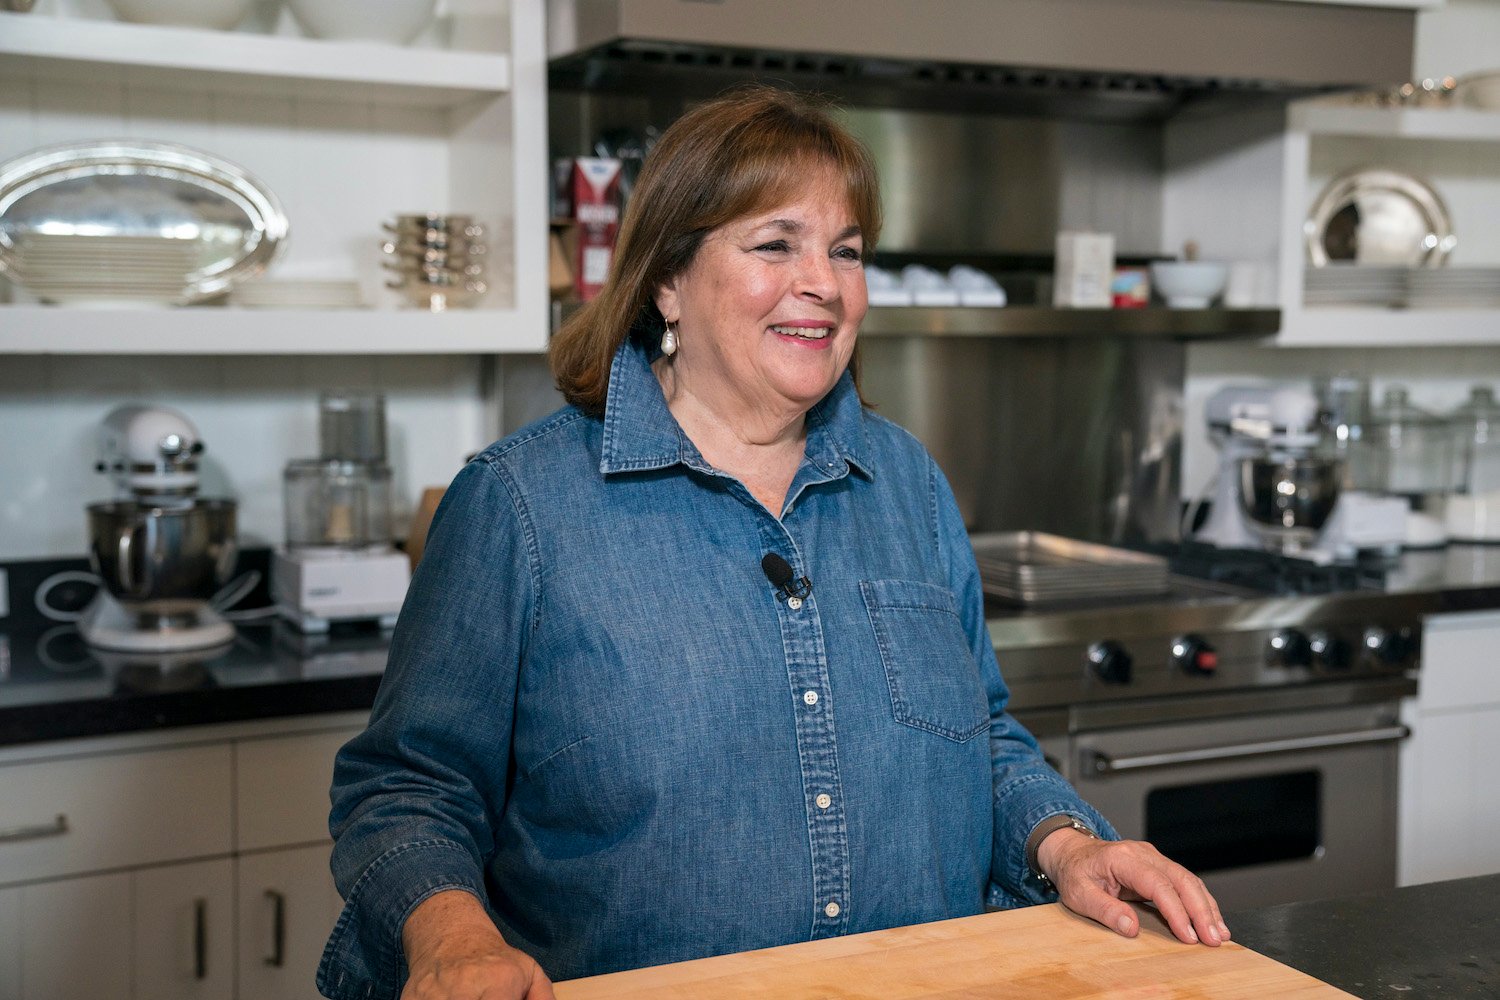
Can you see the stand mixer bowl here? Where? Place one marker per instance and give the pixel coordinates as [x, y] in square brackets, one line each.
[1288, 498]
[162, 560]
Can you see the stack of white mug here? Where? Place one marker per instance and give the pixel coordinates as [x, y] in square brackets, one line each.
[438, 260]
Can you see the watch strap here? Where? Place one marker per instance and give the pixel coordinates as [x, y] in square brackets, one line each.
[1040, 832]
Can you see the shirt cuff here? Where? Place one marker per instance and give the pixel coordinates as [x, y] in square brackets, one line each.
[364, 959]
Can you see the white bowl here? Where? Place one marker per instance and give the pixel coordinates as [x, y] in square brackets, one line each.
[223, 14]
[393, 21]
[1189, 284]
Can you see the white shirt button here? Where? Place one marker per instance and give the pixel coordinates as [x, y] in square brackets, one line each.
[810, 697]
[824, 801]
[832, 909]
[795, 603]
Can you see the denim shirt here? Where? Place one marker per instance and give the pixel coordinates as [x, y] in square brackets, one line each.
[602, 719]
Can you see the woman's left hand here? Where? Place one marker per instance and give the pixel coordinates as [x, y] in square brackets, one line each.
[1094, 878]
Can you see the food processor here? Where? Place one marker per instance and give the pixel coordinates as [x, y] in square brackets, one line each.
[339, 563]
[160, 550]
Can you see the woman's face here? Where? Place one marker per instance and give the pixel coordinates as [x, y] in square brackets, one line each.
[769, 309]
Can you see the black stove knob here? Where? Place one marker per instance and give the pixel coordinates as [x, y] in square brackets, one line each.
[1110, 662]
[1288, 648]
[1329, 652]
[1193, 655]
[1390, 649]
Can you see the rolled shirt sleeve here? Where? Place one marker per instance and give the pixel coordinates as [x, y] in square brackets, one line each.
[1026, 789]
[413, 794]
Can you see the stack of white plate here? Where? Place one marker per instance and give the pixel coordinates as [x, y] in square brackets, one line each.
[289, 293]
[110, 269]
[1402, 287]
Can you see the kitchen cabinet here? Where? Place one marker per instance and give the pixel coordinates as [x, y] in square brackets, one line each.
[188, 864]
[346, 134]
[183, 932]
[287, 907]
[1449, 810]
[1276, 162]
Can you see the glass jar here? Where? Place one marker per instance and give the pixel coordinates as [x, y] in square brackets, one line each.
[1474, 507]
[1412, 456]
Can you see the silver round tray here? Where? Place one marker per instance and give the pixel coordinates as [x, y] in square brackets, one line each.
[1378, 216]
[130, 221]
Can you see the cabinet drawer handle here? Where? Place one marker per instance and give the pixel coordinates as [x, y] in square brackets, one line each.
[200, 939]
[56, 828]
[277, 958]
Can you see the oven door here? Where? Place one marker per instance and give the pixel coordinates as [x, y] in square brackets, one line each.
[1266, 808]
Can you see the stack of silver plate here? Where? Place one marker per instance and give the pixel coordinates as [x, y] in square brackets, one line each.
[438, 260]
[1402, 287]
[1030, 567]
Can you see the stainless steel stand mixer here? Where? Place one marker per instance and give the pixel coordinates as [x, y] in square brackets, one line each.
[161, 551]
[1275, 488]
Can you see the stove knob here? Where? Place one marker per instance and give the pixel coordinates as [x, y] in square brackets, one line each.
[1110, 662]
[1193, 655]
[1288, 648]
[1391, 649]
[1329, 652]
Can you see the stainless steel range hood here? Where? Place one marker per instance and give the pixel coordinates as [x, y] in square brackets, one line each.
[1156, 54]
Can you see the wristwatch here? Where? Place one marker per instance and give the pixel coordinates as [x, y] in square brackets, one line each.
[1041, 831]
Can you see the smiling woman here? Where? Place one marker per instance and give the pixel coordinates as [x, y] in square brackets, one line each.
[699, 664]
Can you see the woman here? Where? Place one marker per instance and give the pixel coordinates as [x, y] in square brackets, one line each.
[615, 731]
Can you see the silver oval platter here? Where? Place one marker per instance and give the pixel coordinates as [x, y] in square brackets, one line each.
[133, 223]
[1379, 217]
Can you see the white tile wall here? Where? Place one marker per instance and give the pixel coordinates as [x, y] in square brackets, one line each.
[254, 414]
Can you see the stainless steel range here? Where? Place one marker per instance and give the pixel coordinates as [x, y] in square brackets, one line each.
[1247, 726]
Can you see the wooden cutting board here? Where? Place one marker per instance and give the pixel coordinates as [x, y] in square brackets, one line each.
[1041, 951]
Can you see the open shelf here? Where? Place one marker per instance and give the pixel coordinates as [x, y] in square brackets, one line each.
[1455, 124]
[1045, 321]
[230, 330]
[1336, 326]
[252, 65]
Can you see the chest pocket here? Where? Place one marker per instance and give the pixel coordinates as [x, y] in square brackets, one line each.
[934, 682]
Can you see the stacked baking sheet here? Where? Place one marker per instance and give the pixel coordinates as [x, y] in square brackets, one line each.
[1030, 567]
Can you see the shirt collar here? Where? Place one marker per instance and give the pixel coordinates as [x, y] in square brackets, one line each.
[640, 432]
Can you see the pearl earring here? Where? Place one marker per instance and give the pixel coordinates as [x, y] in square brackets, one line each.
[669, 341]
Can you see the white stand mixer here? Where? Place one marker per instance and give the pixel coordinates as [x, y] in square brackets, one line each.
[160, 551]
[1247, 422]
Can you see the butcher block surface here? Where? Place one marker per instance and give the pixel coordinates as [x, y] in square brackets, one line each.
[1038, 952]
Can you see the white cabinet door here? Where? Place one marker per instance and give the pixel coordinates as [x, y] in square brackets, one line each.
[75, 938]
[281, 788]
[287, 908]
[1449, 807]
[10, 944]
[184, 931]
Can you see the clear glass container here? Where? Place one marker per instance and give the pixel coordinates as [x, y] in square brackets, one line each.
[351, 426]
[1474, 507]
[1412, 456]
[337, 504]
[1345, 400]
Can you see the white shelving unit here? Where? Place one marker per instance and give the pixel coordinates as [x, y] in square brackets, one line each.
[347, 134]
[1447, 146]
[1254, 178]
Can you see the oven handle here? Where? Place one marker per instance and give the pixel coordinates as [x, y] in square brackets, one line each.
[1102, 763]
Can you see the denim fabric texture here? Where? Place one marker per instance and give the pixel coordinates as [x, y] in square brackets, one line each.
[601, 719]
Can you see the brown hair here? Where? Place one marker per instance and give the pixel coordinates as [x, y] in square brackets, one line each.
[744, 152]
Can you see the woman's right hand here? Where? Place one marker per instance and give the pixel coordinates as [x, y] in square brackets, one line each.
[454, 952]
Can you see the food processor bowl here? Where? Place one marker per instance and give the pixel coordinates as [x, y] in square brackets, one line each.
[163, 560]
[1288, 498]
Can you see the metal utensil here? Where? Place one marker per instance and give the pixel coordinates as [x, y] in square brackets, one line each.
[1379, 216]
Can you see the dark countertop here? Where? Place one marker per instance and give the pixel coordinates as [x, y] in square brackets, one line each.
[53, 686]
[1441, 939]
